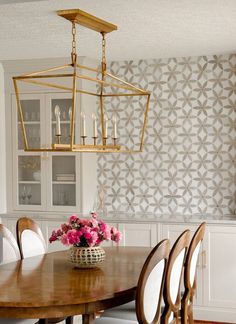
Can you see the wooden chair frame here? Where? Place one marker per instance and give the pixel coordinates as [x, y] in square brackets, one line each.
[187, 299]
[25, 223]
[181, 243]
[159, 252]
[7, 234]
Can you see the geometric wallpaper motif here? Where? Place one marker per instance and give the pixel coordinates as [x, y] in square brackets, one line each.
[188, 165]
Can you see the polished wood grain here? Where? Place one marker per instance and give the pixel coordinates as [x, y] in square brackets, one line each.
[159, 253]
[172, 307]
[49, 286]
[189, 290]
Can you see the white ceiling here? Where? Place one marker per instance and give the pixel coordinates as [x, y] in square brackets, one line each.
[147, 29]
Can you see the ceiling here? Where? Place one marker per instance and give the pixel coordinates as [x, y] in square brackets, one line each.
[146, 29]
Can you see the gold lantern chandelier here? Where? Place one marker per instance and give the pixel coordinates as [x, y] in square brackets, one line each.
[107, 87]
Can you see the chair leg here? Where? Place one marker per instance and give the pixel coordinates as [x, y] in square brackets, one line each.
[43, 321]
[190, 314]
[184, 312]
[69, 320]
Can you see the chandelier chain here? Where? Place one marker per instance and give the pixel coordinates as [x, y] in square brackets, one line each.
[103, 51]
[73, 53]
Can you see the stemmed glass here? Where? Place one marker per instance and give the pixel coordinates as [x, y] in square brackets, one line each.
[23, 195]
[29, 194]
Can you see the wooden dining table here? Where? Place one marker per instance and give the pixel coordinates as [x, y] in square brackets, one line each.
[49, 286]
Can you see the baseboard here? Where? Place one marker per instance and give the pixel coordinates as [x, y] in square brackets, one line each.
[215, 314]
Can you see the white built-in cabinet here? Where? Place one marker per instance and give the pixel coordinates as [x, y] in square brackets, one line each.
[44, 181]
[138, 234]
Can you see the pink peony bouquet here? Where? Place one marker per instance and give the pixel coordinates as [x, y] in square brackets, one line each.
[85, 232]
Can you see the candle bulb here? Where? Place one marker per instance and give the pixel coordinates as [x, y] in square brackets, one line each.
[105, 126]
[58, 122]
[70, 113]
[95, 132]
[114, 127]
[83, 125]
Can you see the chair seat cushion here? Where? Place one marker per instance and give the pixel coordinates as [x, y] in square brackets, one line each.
[125, 311]
[111, 320]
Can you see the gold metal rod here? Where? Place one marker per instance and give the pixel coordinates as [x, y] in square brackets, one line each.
[58, 87]
[73, 105]
[87, 92]
[124, 94]
[144, 123]
[46, 76]
[89, 68]
[48, 70]
[127, 83]
[82, 150]
[47, 84]
[115, 85]
[21, 115]
[89, 146]
[102, 111]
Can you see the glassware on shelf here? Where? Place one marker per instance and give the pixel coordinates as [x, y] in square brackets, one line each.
[29, 194]
[23, 195]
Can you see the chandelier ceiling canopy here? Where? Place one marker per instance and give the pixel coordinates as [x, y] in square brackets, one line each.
[111, 92]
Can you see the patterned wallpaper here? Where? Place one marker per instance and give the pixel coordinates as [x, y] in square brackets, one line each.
[188, 166]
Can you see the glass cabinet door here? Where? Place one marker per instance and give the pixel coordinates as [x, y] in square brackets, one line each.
[31, 116]
[63, 181]
[44, 181]
[29, 180]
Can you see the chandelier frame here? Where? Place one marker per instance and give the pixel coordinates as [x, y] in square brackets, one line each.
[77, 16]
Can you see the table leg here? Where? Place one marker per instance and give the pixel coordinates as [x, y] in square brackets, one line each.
[88, 318]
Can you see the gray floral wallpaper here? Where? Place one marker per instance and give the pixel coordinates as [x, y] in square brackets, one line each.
[188, 166]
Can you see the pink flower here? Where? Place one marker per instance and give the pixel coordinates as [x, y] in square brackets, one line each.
[85, 232]
[93, 238]
[72, 219]
[94, 222]
[115, 234]
[64, 239]
[103, 226]
[65, 228]
[94, 215]
[117, 237]
[53, 237]
[73, 236]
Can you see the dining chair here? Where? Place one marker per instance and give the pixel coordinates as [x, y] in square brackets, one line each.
[10, 253]
[190, 275]
[31, 243]
[30, 238]
[174, 271]
[149, 291]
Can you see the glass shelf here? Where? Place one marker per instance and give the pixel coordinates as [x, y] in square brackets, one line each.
[29, 182]
[63, 182]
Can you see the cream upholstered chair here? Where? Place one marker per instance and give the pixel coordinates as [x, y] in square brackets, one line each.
[149, 291]
[171, 292]
[9, 248]
[190, 275]
[10, 253]
[30, 238]
[31, 243]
